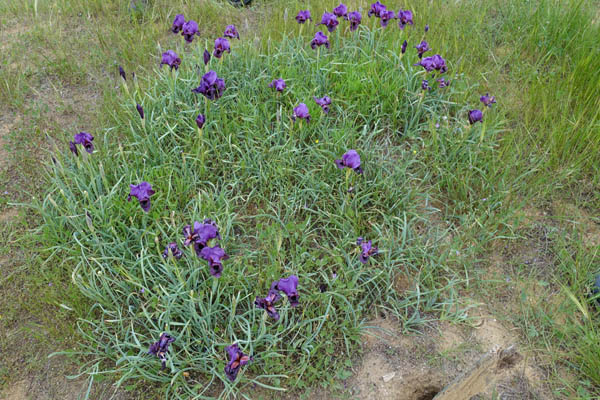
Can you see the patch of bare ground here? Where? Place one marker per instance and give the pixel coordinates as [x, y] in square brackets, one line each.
[432, 363]
[6, 125]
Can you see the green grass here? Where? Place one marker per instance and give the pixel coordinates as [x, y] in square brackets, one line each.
[540, 59]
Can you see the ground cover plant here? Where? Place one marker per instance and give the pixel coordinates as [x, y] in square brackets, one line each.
[285, 177]
[530, 55]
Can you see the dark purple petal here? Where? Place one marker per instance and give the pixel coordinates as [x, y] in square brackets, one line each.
[142, 192]
[475, 116]
[237, 359]
[221, 46]
[324, 102]
[385, 16]
[303, 16]
[341, 10]
[200, 120]
[278, 84]
[319, 40]
[189, 29]
[73, 148]
[301, 111]
[161, 348]
[376, 9]
[488, 100]
[404, 18]
[289, 286]
[422, 48]
[85, 139]
[178, 23]
[268, 303]
[231, 32]
[171, 59]
[206, 57]
[351, 160]
[211, 86]
[367, 250]
[426, 28]
[330, 21]
[140, 110]
[443, 83]
[355, 18]
[404, 47]
[172, 247]
[435, 62]
[122, 73]
[214, 256]
[425, 84]
[206, 231]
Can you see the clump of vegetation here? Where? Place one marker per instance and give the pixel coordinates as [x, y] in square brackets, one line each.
[309, 161]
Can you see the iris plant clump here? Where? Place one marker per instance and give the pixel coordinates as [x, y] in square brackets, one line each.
[202, 239]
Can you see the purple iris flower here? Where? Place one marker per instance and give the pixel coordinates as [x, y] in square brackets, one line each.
[319, 40]
[200, 120]
[278, 84]
[73, 148]
[341, 10]
[189, 29]
[385, 17]
[171, 59]
[427, 28]
[405, 18]
[350, 159]
[85, 139]
[324, 102]
[161, 348]
[214, 256]
[475, 116]
[289, 286]
[221, 46]
[330, 21]
[425, 84]
[122, 73]
[422, 48]
[140, 110]
[200, 235]
[178, 23]
[404, 44]
[206, 231]
[231, 32]
[237, 359]
[177, 253]
[435, 62]
[206, 57]
[301, 111]
[268, 303]
[303, 16]
[142, 192]
[367, 248]
[488, 100]
[443, 83]
[355, 18]
[211, 87]
[376, 9]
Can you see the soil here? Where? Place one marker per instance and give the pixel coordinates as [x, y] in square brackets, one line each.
[418, 367]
